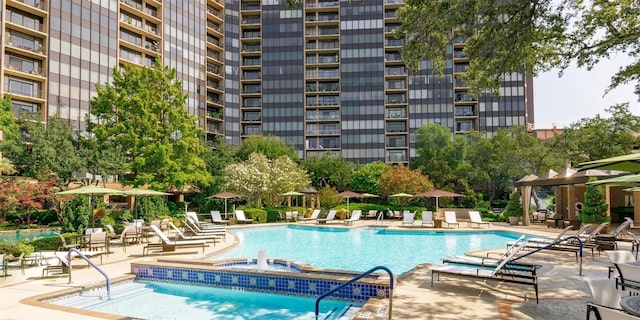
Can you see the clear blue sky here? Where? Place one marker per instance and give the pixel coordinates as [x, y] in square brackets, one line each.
[579, 93]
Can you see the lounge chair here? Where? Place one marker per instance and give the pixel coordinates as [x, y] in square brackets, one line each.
[476, 219]
[313, 217]
[499, 273]
[193, 229]
[494, 262]
[330, 217]
[591, 236]
[193, 217]
[603, 293]
[171, 245]
[217, 218]
[605, 313]
[291, 215]
[64, 260]
[616, 232]
[450, 219]
[561, 235]
[408, 218]
[182, 236]
[629, 276]
[355, 216]
[427, 218]
[240, 218]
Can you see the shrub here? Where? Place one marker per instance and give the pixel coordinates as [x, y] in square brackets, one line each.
[273, 213]
[19, 247]
[258, 215]
[49, 244]
[514, 208]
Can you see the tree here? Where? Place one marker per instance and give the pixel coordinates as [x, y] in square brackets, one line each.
[100, 157]
[329, 170]
[366, 177]
[263, 180]
[600, 137]
[595, 205]
[142, 112]
[7, 117]
[24, 197]
[439, 154]
[524, 36]
[50, 152]
[401, 179]
[271, 146]
[514, 208]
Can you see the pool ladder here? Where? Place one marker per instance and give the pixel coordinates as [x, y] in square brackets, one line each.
[92, 264]
[380, 219]
[356, 278]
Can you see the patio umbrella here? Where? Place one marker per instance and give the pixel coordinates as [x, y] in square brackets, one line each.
[370, 195]
[225, 195]
[90, 191]
[628, 162]
[437, 194]
[291, 193]
[347, 195]
[628, 180]
[401, 195]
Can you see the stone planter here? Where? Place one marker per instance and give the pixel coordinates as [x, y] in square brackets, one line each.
[513, 220]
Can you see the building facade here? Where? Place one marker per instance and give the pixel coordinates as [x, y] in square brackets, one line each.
[325, 77]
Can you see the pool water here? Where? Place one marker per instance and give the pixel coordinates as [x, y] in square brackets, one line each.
[361, 249]
[16, 236]
[159, 300]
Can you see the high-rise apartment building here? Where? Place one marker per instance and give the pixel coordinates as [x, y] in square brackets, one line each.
[326, 77]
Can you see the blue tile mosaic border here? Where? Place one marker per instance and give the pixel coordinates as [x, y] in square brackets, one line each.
[261, 281]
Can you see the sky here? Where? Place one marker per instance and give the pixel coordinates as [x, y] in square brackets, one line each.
[579, 93]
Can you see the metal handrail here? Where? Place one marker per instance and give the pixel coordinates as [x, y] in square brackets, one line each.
[379, 219]
[364, 274]
[553, 244]
[92, 264]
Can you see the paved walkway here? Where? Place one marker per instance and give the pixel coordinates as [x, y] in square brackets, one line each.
[562, 292]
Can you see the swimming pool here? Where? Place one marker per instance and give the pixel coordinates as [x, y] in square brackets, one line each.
[16, 236]
[360, 249]
[158, 300]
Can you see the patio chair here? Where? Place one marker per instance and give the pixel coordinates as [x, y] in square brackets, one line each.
[128, 235]
[618, 256]
[3, 265]
[98, 241]
[372, 214]
[635, 243]
[313, 217]
[603, 293]
[18, 263]
[291, 216]
[427, 218]
[355, 216]
[330, 217]
[216, 217]
[64, 246]
[408, 218]
[605, 313]
[476, 219]
[171, 245]
[240, 217]
[499, 273]
[629, 276]
[205, 237]
[450, 218]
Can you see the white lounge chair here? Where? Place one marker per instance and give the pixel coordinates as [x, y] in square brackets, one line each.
[171, 245]
[193, 217]
[355, 216]
[450, 219]
[205, 237]
[217, 218]
[408, 218]
[240, 217]
[499, 273]
[372, 214]
[330, 217]
[476, 219]
[313, 217]
[427, 218]
[618, 256]
[193, 229]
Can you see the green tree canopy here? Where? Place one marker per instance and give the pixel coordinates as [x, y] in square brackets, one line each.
[329, 170]
[365, 178]
[440, 154]
[142, 112]
[271, 146]
[529, 36]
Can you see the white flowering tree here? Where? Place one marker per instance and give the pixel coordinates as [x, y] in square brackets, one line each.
[262, 180]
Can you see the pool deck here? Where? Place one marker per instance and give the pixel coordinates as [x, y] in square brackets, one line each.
[562, 292]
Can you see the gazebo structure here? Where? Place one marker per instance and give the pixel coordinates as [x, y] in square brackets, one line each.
[570, 188]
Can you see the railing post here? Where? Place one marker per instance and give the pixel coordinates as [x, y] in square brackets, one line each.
[92, 264]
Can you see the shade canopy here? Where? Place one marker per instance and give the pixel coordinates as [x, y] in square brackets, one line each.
[225, 195]
[144, 192]
[628, 180]
[437, 193]
[401, 195]
[628, 162]
[90, 191]
[292, 193]
[370, 195]
[308, 190]
[634, 189]
[349, 194]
